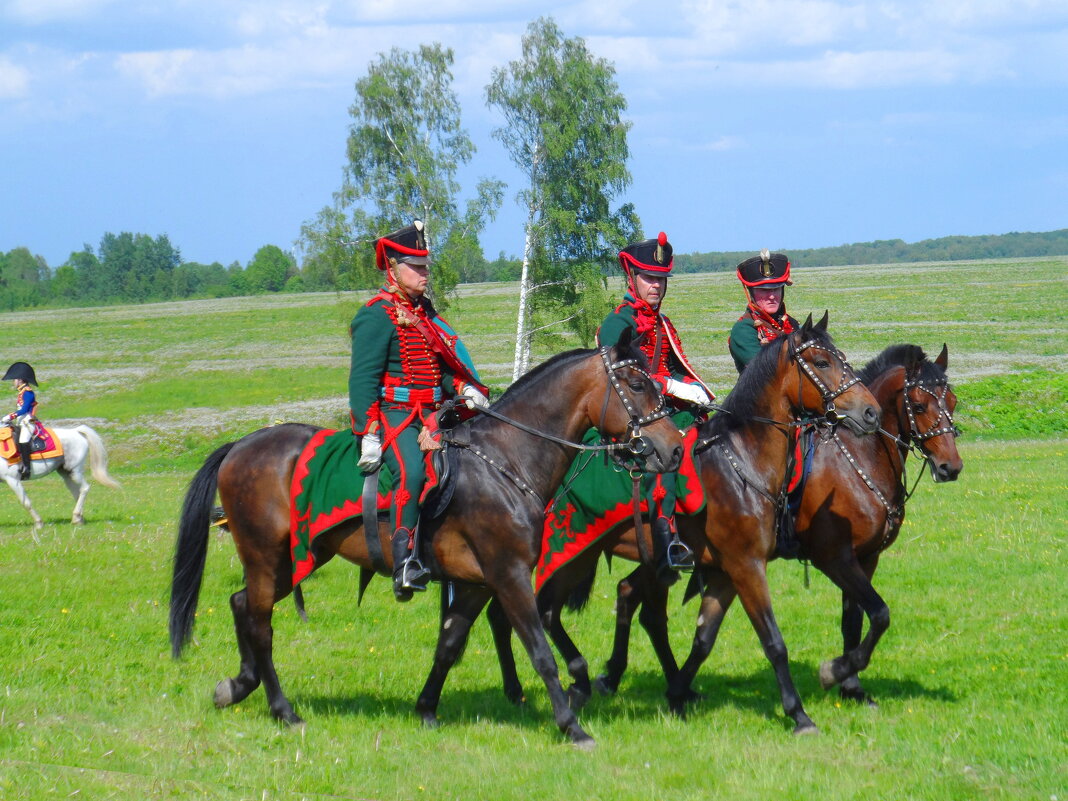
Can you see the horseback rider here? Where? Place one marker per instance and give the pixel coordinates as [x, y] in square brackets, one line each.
[405, 361]
[24, 417]
[765, 278]
[647, 265]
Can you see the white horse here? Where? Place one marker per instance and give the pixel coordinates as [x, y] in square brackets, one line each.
[79, 444]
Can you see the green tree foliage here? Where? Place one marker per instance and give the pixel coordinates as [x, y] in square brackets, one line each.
[23, 279]
[404, 148]
[269, 269]
[565, 130]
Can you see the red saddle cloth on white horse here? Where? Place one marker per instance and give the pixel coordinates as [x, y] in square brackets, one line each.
[51, 446]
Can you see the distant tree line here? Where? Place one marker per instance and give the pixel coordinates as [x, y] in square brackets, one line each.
[135, 268]
[894, 251]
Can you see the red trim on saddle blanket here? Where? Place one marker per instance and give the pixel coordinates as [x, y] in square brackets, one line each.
[9, 449]
[690, 501]
[304, 528]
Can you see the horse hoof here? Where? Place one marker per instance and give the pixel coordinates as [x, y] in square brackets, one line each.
[430, 720]
[827, 679]
[224, 694]
[585, 743]
[805, 728]
[77, 521]
[602, 685]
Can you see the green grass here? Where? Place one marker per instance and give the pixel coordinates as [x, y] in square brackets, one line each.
[970, 676]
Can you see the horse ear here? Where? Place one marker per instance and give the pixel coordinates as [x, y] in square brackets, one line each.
[626, 336]
[822, 324]
[806, 326]
[943, 357]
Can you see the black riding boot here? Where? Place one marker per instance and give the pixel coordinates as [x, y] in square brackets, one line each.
[409, 575]
[25, 449]
[670, 553]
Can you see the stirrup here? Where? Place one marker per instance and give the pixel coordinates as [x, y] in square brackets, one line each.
[412, 575]
[679, 554]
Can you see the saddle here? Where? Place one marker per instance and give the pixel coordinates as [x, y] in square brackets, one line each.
[44, 444]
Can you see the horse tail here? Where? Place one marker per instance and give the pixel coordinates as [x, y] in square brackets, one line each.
[98, 457]
[191, 549]
[580, 593]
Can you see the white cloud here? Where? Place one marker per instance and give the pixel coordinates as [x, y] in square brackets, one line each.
[14, 79]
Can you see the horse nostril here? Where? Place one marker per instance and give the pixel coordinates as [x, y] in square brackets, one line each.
[870, 415]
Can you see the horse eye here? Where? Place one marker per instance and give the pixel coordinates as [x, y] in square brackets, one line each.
[822, 364]
[637, 386]
[919, 408]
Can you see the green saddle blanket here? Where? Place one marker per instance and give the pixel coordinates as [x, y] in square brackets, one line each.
[594, 498]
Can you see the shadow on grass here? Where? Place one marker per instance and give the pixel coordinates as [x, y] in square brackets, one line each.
[459, 705]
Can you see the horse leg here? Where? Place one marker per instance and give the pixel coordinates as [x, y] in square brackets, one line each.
[718, 595]
[502, 639]
[24, 499]
[78, 488]
[750, 579]
[551, 603]
[639, 591]
[456, 620]
[253, 608]
[231, 691]
[628, 600]
[517, 599]
[858, 596]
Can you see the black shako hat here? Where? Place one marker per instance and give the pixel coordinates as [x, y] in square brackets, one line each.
[20, 370]
[767, 271]
[406, 245]
[653, 256]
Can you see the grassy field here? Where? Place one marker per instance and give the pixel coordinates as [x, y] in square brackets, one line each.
[970, 677]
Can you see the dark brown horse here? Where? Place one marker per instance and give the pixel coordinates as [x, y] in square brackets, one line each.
[742, 455]
[485, 541]
[851, 511]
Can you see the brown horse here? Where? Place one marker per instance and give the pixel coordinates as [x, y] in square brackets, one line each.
[851, 511]
[742, 455]
[485, 541]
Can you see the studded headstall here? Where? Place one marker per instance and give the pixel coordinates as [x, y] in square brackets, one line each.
[939, 396]
[638, 445]
[849, 378]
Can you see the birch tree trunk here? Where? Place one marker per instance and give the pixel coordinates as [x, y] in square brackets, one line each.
[522, 335]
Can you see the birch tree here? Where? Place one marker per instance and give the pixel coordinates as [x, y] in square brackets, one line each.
[564, 129]
[404, 148]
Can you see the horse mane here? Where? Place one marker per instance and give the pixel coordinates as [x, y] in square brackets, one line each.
[534, 377]
[911, 357]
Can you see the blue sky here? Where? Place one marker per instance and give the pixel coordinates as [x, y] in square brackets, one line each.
[756, 123]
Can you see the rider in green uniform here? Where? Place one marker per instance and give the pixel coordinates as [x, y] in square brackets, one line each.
[647, 265]
[765, 278]
[405, 361]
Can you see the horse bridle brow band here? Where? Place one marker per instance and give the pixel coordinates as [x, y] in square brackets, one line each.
[943, 410]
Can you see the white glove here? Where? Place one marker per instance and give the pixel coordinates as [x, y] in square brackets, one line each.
[370, 452]
[474, 397]
[691, 393]
[10, 418]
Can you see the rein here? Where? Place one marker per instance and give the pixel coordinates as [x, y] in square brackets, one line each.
[637, 446]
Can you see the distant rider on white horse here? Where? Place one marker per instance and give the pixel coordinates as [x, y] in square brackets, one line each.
[25, 414]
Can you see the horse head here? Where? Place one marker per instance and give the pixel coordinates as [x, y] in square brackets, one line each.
[626, 405]
[929, 403]
[825, 384]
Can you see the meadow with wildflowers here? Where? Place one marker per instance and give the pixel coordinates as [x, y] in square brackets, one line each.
[969, 679]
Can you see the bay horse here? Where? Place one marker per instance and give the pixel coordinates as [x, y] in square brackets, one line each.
[741, 456]
[485, 542]
[851, 511]
[81, 445]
